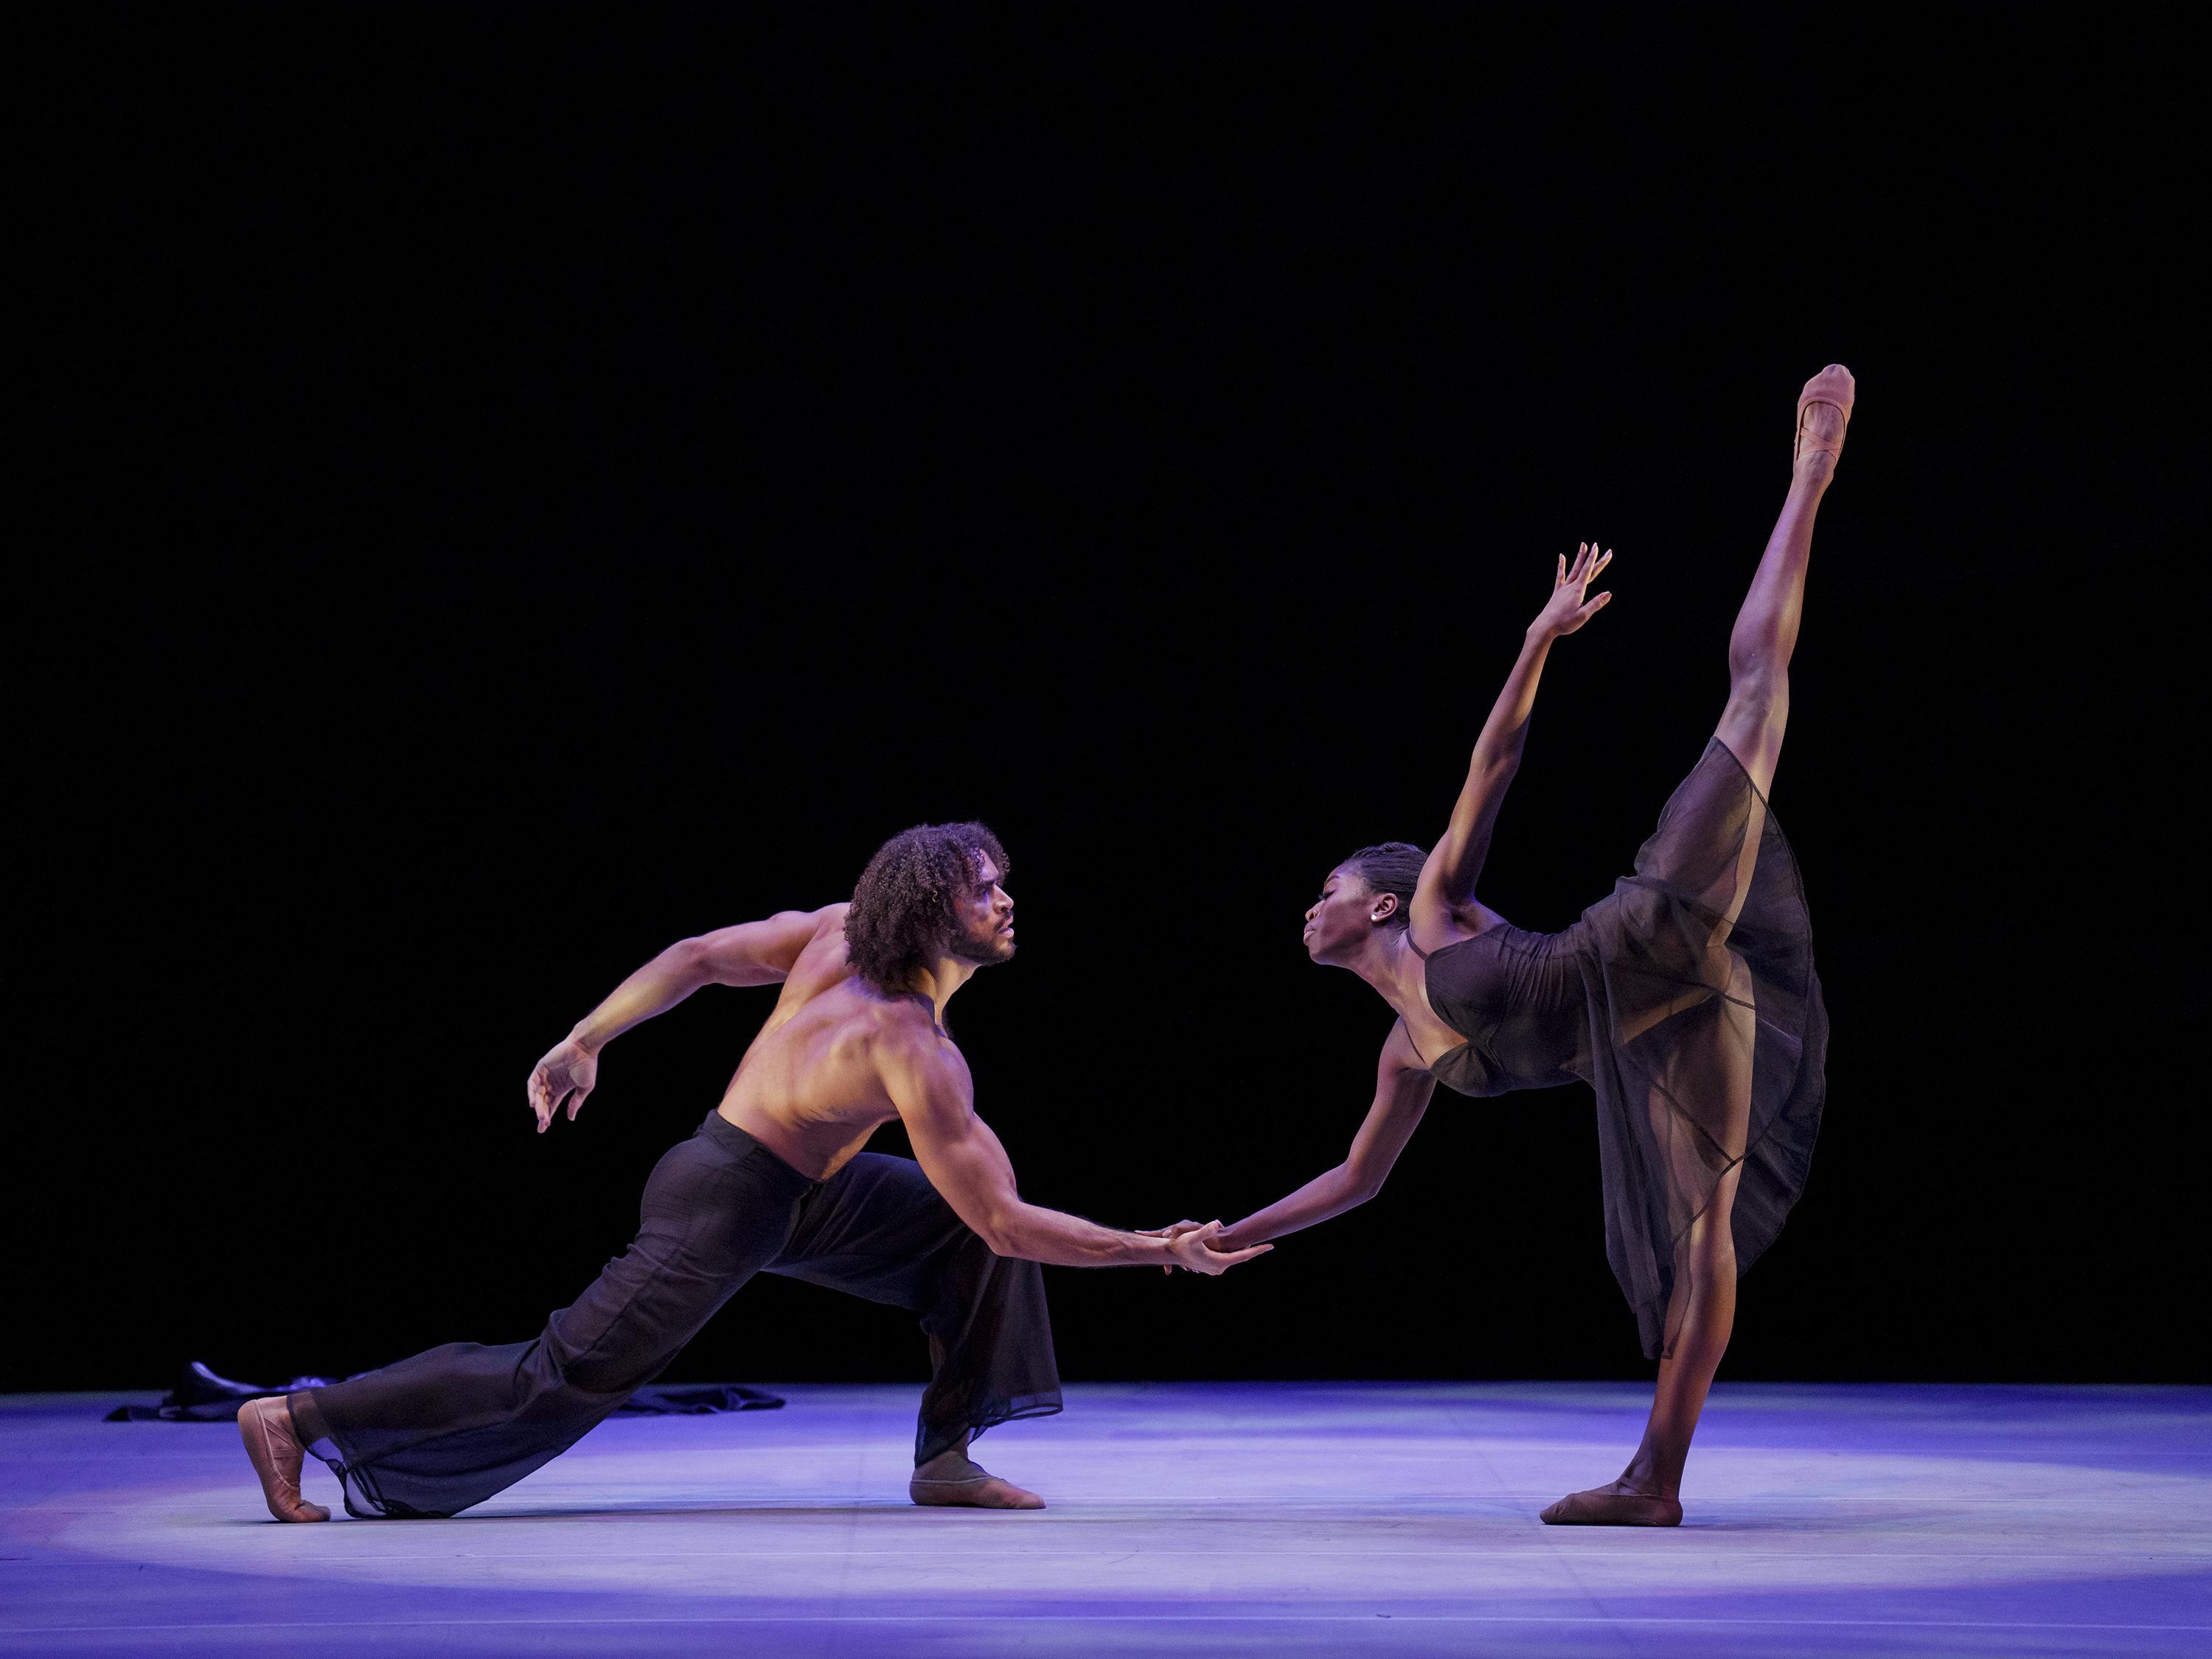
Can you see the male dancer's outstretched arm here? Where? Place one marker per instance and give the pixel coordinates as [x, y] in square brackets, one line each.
[930, 1084]
[750, 953]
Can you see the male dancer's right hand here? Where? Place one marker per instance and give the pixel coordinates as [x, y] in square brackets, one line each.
[567, 1073]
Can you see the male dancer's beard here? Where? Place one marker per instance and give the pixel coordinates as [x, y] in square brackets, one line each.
[968, 948]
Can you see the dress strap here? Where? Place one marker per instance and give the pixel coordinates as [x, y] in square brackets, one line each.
[1414, 948]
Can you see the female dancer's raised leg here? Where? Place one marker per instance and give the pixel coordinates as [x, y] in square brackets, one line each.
[1765, 632]
[1714, 1059]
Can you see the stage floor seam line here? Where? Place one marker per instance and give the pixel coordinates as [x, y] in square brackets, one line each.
[1122, 1552]
[1118, 1619]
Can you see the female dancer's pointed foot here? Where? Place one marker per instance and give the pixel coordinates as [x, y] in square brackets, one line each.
[950, 1481]
[1616, 1505]
[265, 1425]
[1824, 410]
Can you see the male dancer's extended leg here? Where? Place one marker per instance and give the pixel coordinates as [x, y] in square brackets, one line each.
[434, 1434]
[1701, 1108]
[877, 1229]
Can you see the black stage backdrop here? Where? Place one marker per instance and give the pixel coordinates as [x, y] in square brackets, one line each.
[540, 489]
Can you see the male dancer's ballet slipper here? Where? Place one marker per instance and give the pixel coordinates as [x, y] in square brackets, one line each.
[979, 1491]
[1602, 1506]
[1833, 386]
[265, 1425]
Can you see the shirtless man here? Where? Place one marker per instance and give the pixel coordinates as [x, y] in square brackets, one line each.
[774, 1180]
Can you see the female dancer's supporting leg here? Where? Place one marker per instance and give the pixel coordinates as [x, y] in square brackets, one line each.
[1718, 1055]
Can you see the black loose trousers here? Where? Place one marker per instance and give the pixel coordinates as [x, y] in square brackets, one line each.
[432, 1435]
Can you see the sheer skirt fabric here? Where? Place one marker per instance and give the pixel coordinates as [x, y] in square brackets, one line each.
[1687, 999]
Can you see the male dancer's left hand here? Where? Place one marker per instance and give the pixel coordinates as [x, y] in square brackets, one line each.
[567, 1073]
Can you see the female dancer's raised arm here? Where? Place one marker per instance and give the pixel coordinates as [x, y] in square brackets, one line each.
[1448, 880]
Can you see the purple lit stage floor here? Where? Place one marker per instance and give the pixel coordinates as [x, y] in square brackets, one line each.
[1201, 1519]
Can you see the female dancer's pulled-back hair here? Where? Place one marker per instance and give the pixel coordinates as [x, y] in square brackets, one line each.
[905, 905]
[1390, 866]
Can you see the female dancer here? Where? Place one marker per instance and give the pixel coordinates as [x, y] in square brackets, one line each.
[1686, 998]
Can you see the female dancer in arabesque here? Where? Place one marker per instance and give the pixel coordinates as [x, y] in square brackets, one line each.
[1686, 998]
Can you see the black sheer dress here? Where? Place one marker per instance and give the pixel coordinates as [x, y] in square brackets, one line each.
[1687, 1000]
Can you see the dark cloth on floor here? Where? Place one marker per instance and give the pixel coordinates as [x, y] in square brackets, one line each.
[1704, 1060]
[432, 1435]
[201, 1396]
[697, 1399]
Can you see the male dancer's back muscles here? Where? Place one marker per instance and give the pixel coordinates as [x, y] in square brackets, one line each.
[774, 1180]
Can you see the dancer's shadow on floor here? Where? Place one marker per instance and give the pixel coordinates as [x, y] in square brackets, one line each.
[680, 1511]
[1478, 1518]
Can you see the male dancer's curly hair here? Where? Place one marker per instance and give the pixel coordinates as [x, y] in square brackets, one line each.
[904, 909]
[1390, 866]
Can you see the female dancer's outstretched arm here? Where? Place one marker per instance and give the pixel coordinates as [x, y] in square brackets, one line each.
[1402, 1088]
[1448, 879]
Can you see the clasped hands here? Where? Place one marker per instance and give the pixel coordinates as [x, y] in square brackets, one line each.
[1191, 1243]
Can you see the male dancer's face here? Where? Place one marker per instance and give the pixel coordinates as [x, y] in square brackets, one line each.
[986, 917]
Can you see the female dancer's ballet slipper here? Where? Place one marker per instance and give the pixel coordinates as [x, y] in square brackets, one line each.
[265, 1425]
[1833, 386]
[979, 1491]
[1602, 1506]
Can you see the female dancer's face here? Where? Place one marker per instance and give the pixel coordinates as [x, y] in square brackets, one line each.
[1343, 918]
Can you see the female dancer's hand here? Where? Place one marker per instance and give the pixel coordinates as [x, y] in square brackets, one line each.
[1568, 610]
[1206, 1260]
[1173, 1230]
[1194, 1251]
[567, 1073]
